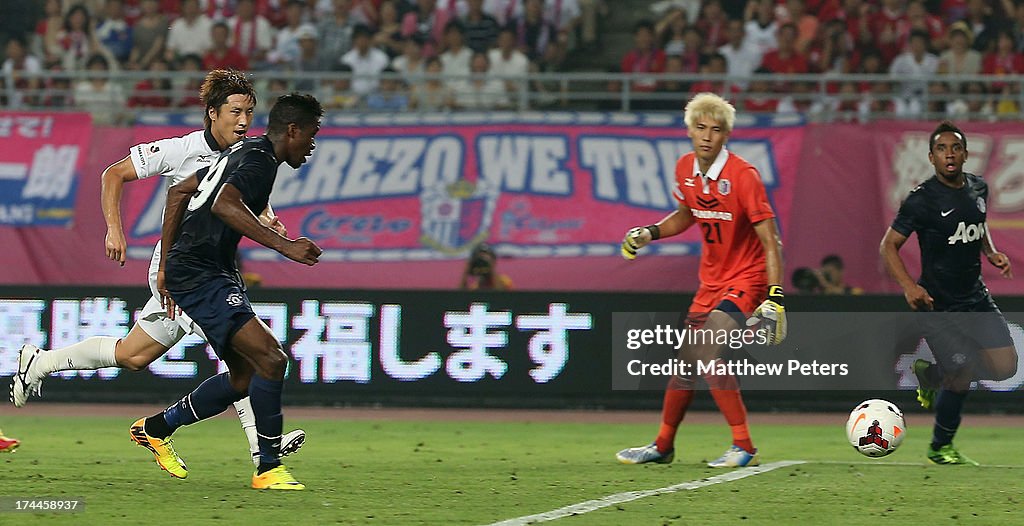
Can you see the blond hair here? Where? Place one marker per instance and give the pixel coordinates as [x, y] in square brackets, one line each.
[711, 106]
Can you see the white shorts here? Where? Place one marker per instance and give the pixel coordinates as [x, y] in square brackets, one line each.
[154, 320]
[162, 329]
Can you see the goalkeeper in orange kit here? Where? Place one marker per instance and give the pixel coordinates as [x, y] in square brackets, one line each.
[740, 272]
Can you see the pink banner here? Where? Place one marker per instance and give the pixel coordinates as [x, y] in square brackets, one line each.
[536, 190]
[41, 157]
[396, 204]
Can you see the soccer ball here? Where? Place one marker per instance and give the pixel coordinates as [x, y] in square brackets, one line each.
[876, 428]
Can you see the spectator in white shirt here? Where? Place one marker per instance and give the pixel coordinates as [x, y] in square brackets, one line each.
[411, 62]
[480, 91]
[456, 56]
[190, 34]
[741, 56]
[914, 66]
[17, 73]
[286, 45]
[97, 95]
[507, 61]
[761, 26]
[251, 34]
[366, 61]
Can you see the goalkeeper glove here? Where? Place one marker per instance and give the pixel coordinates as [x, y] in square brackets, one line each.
[638, 237]
[772, 316]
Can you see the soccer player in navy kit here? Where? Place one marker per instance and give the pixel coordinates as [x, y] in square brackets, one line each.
[229, 98]
[967, 333]
[205, 218]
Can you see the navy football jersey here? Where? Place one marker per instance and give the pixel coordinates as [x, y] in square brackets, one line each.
[950, 226]
[206, 247]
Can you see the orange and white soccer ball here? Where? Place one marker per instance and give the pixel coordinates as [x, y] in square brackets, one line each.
[876, 428]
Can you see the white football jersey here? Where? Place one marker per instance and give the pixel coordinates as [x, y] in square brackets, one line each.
[176, 158]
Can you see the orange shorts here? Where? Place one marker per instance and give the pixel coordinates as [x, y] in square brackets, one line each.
[745, 295]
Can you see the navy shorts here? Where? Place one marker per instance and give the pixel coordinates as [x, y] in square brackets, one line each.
[220, 307]
[956, 337]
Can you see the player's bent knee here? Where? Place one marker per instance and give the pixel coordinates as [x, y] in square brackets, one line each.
[272, 364]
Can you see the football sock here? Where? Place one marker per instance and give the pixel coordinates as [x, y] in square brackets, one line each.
[248, 420]
[678, 396]
[932, 375]
[156, 426]
[948, 405]
[211, 398]
[726, 392]
[265, 397]
[92, 353]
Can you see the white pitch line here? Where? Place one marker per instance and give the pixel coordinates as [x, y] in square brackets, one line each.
[619, 498]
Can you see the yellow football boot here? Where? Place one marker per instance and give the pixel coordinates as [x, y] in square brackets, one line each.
[162, 449]
[277, 478]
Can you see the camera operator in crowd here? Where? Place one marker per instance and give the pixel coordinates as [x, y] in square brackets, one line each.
[481, 271]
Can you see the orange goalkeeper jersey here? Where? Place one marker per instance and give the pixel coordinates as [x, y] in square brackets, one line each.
[726, 202]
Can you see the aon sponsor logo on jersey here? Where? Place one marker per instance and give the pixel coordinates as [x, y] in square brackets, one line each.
[967, 233]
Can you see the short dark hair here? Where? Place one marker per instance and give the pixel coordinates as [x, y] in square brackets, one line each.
[643, 24]
[455, 25]
[302, 109]
[220, 84]
[97, 59]
[919, 33]
[19, 38]
[943, 127]
[832, 259]
[361, 30]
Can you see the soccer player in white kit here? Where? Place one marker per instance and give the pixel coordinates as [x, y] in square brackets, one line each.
[230, 99]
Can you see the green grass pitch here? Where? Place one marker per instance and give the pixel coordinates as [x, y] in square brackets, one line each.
[401, 472]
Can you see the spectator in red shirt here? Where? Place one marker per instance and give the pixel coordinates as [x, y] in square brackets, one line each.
[1005, 60]
[824, 10]
[760, 96]
[712, 26]
[918, 18]
[889, 27]
[644, 57]
[870, 64]
[806, 24]
[153, 92]
[222, 55]
[715, 66]
[833, 52]
[786, 59]
[692, 55]
[857, 16]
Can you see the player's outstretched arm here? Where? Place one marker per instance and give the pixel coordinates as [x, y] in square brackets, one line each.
[673, 224]
[229, 207]
[771, 314]
[174, 211]
[995, 257]
[112, 185]
[917, 297]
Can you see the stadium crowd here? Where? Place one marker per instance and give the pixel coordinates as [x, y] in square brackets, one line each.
[362, 37]
[933, 50]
